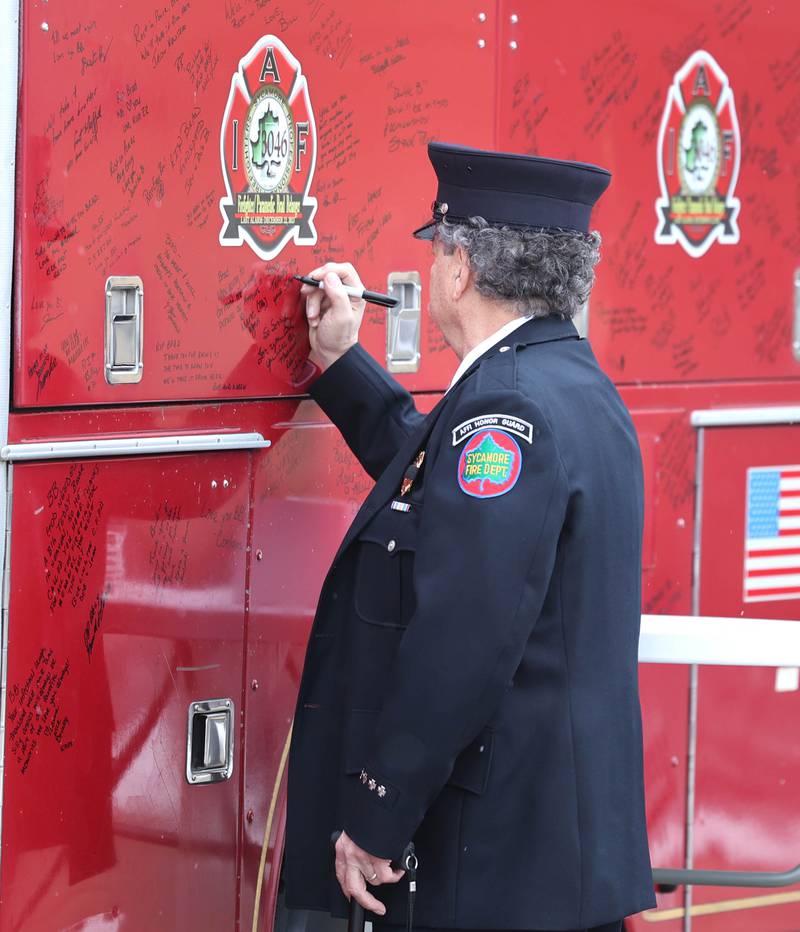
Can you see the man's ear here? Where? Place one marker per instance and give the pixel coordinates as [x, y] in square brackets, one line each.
[462, 273]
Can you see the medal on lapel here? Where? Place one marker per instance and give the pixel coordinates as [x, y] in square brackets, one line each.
[408, 481]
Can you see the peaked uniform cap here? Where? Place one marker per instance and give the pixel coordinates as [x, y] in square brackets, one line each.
[508, 189]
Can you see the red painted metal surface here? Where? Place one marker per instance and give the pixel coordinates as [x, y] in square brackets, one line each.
[745, 789]
[128, 603]
[597, 92]
[746, 761]
[120, 172]
[666, 440]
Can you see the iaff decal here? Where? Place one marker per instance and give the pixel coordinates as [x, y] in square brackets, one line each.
[699, 148]
[489, 464]
[268, 147]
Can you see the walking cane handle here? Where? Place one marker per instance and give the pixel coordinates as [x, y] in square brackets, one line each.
[355, 919]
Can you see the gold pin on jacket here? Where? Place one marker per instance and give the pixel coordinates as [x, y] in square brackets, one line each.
[408, 480]
[411, 473]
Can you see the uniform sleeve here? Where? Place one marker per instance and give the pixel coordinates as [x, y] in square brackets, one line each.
[495, 498]
[374, 413]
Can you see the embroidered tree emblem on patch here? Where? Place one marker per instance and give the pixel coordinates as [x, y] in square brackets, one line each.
[489, 464]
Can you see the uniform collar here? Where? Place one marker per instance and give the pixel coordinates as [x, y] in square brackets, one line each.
[526, 330]
[477, 351]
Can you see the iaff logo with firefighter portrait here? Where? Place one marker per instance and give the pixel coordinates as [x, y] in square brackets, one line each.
[268, 146]
[699, 148]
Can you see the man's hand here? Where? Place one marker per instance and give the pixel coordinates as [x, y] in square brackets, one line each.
[333, 316]
[355, 868]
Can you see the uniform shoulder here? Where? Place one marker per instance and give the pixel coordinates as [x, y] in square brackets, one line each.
[492, 398]
[497, 371]
[499, 414]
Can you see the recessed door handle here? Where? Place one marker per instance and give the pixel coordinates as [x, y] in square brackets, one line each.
[124, 327]
[209, 743]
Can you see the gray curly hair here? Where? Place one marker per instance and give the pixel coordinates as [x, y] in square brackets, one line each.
[540, 272]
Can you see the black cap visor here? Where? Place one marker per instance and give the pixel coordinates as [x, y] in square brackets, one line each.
[428, 231]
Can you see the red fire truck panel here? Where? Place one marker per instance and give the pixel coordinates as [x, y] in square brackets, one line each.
[177, 161]
[127, 150]
[594, 86]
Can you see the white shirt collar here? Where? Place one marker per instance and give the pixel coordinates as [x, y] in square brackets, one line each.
[477, 351]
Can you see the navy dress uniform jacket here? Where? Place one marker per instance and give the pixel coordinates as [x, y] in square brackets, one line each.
[471, 677]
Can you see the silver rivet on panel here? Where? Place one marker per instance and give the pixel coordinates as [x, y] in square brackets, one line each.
[254, 685]
[391, 545]
[259, 554]
[225, 483]
[512, 44]
[504, 349]
[45, 27]
[481, 17]
[213, 483]
[514, 18]
[481, 43]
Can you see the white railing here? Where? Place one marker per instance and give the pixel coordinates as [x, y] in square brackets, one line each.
[743, 642]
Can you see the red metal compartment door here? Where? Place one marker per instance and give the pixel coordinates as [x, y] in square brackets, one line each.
[665, 437]
[127, 604]
[123, 155]
[593, 86]
[748, 759]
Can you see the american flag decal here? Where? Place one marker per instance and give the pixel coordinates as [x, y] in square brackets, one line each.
[772, 537]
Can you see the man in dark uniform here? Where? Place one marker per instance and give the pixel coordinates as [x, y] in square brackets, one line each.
[471, 677]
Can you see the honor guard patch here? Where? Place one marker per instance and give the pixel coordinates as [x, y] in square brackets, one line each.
[507, 422]
[489, 464]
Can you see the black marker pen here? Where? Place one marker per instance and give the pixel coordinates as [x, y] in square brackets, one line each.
[373, 297]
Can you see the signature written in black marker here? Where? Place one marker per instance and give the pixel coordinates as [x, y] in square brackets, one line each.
[49, 318]
[42, 368]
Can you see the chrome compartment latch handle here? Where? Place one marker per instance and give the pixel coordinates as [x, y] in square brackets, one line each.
[209, 744]
[403, 322]
[124, 320]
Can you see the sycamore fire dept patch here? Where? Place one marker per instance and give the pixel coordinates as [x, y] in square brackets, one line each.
[489, 464]
[268, 147]
[699, 149]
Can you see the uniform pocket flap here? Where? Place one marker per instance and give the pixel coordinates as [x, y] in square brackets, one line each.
[398, 528]
[400, 542]
[471, 769]
[384, 592]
